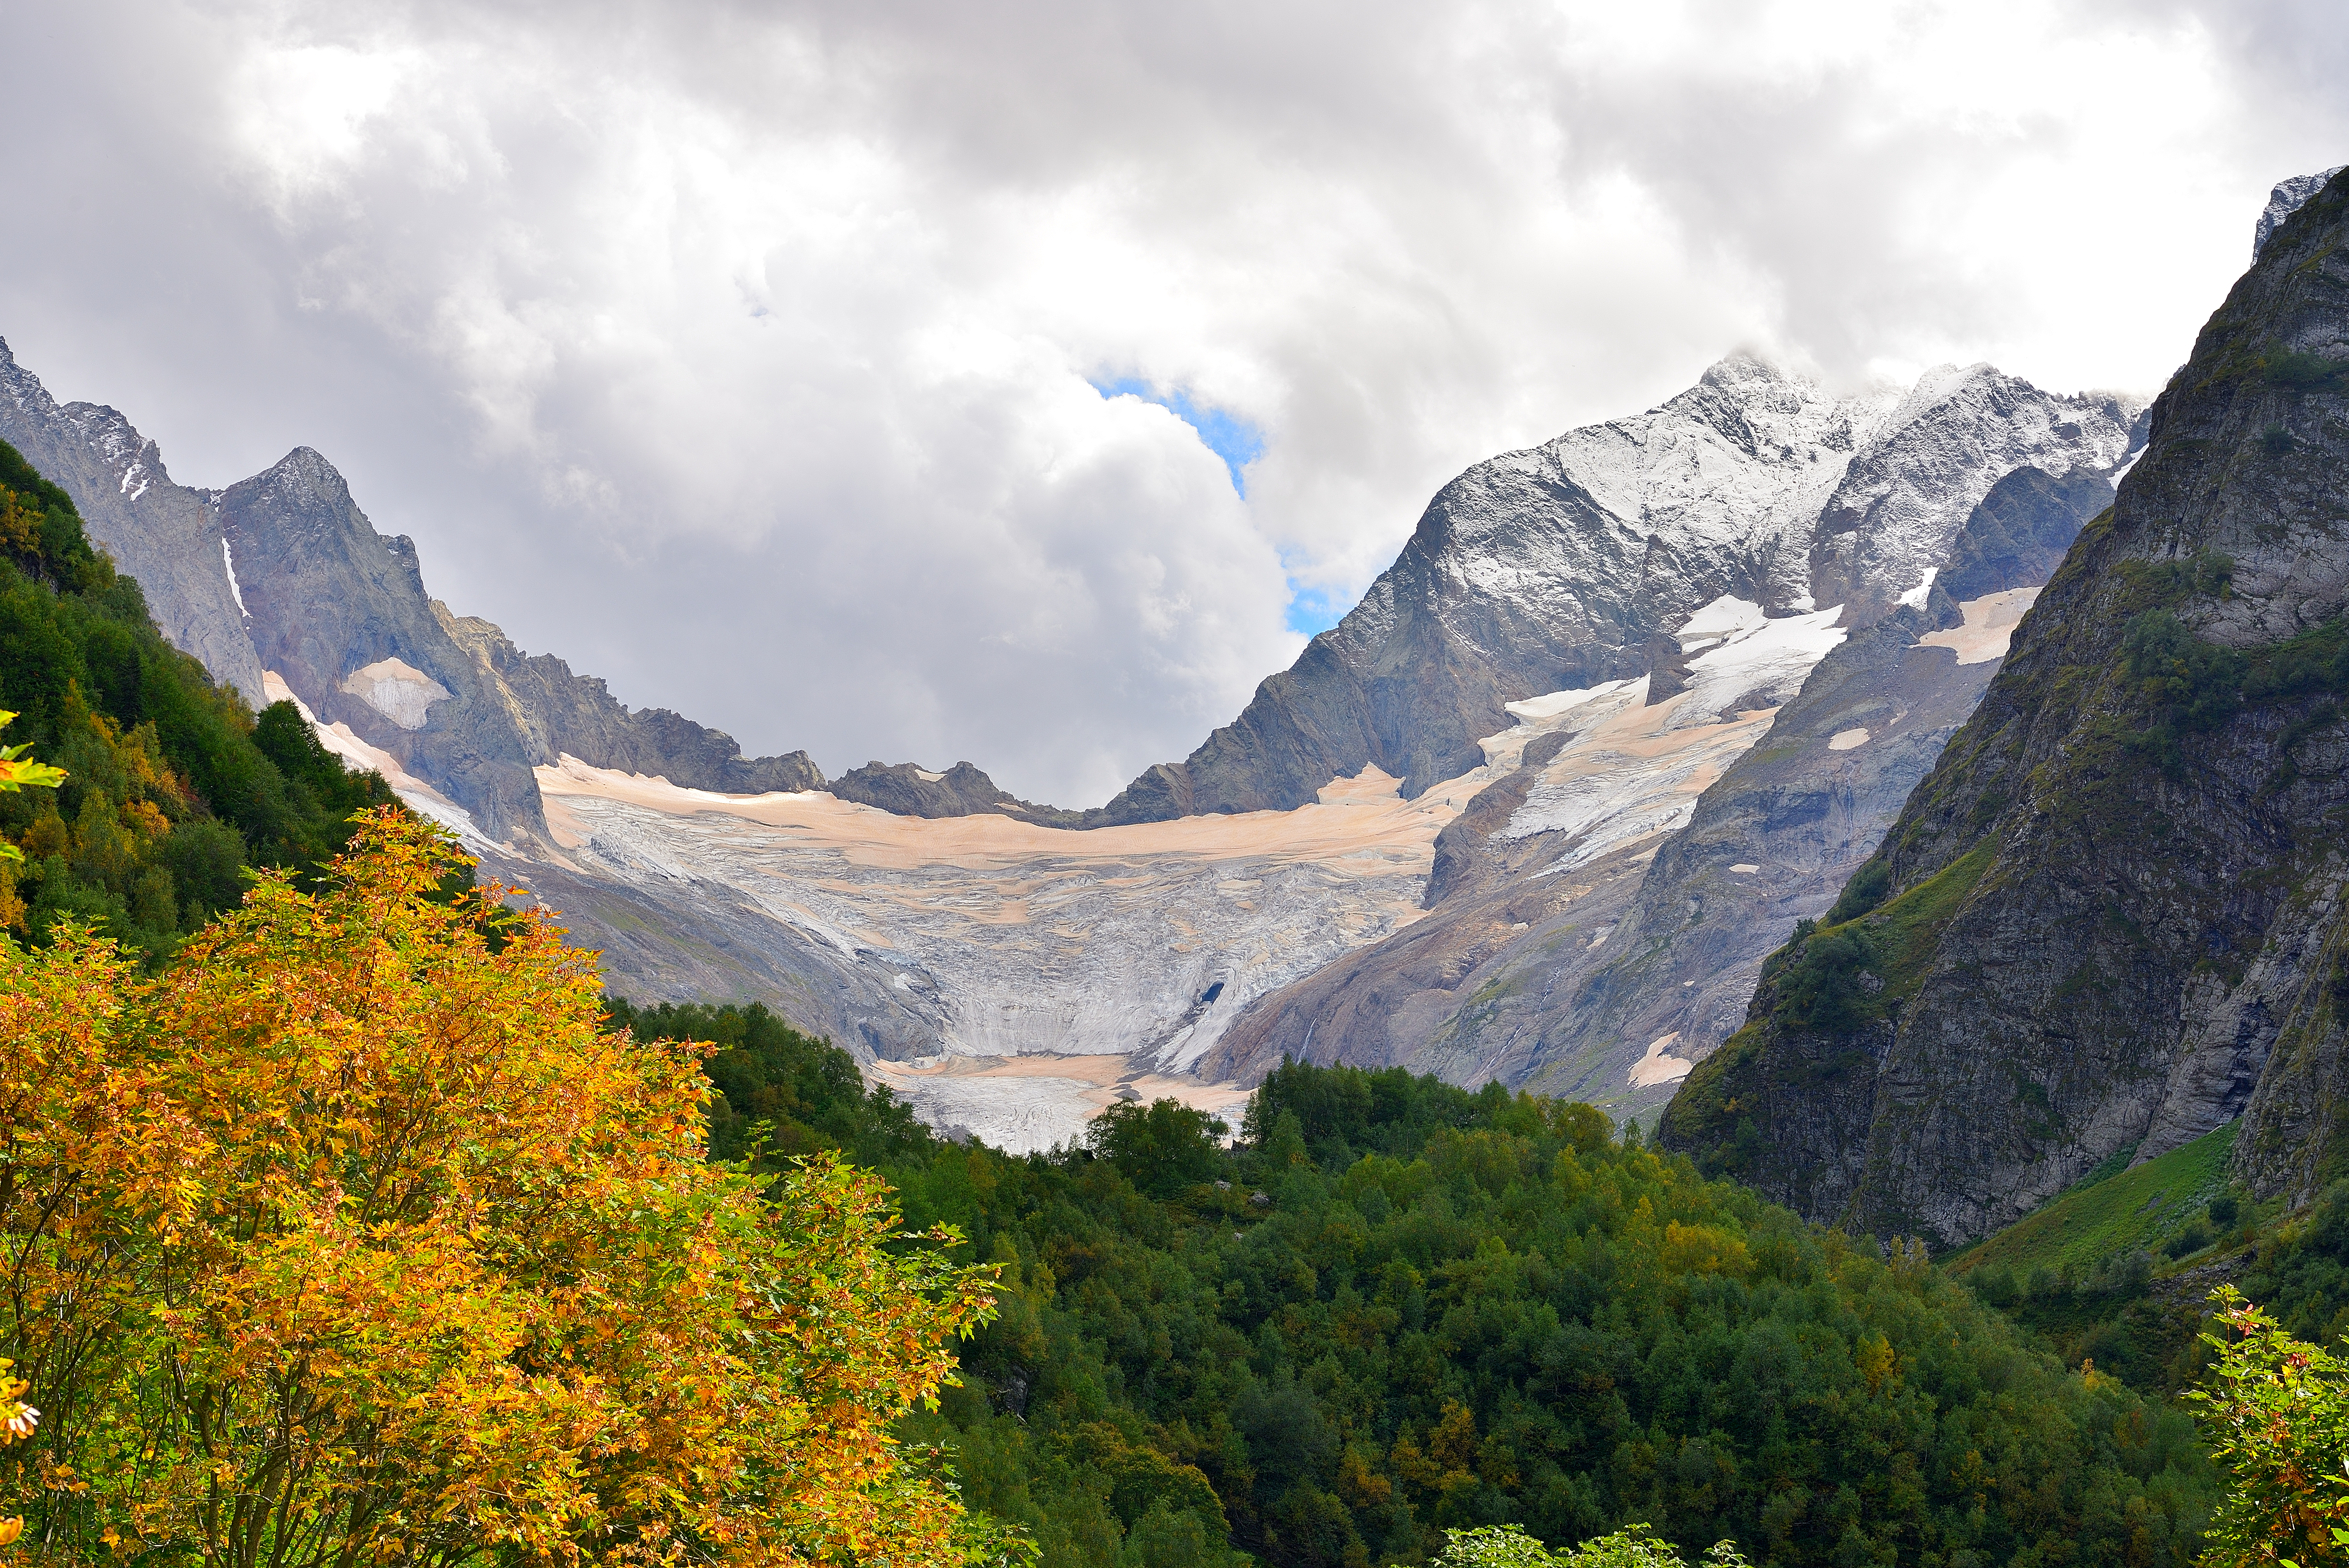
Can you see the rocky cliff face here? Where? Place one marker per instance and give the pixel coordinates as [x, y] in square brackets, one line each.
[2110, 920]
[558, 712]
[339, 613]
[1554, 568]
[1571, 983]
[160, 533]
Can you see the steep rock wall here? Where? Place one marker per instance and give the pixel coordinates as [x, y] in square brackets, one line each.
[2105, 920]
[160, 533]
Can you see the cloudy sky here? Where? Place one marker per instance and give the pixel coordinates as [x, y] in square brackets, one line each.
[1019, 382]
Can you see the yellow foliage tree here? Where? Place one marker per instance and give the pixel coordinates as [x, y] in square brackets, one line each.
[350, 1238]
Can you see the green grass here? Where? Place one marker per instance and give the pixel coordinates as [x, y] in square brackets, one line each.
[2107, 1214]
[1908, 928]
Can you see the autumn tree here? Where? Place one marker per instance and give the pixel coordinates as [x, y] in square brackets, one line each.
[350, 1237]
[2276, 1411]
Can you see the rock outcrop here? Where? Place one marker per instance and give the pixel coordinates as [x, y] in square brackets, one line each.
[339, 613]
[1554, 568]
[912, 790]
[2110, 920]
[162, 532]
[1564, 982]
[558, 712]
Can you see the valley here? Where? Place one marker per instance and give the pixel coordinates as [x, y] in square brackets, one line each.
[1446, 838]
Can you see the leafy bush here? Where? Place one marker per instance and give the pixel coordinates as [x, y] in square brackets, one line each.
[2277, 1413]
[1865, 890]
[2304, 372]
[1825, 987]
[1635, 1546]
[1162, 1148]
[351, 1238]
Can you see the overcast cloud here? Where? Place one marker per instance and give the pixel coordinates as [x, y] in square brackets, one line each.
[747, 355]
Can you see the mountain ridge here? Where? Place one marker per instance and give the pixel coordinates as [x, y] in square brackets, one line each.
[2106, 919]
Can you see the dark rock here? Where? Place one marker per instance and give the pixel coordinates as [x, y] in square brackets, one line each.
[160, 533]
[1668, 671]
[2111, 907]
[559, 712]
[962, 791]
[327, 596]
[2019, 533]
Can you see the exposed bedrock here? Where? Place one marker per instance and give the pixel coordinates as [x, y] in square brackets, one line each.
[328, 597]
[160, 533]
[2109, 919]
[1556, 567]
[558, 712]
[1510, 976]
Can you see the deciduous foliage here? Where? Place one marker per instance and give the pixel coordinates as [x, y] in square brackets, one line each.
[351, 1237]
[1634, 1546]
[2277, 1412]
[1416, 1309]
[172, 787]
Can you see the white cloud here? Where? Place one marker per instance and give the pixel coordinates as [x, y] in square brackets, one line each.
[741, 354]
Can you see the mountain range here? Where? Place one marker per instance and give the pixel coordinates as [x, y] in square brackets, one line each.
[1627, 708]
[2110, 920]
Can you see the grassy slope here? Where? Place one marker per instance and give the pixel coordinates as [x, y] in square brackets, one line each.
[2116, 1213]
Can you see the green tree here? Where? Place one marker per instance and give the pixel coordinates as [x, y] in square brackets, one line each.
[2276, 1410]
[1162, 1147]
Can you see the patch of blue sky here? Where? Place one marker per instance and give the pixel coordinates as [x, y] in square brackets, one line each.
[1226, 434]
[1312, 609]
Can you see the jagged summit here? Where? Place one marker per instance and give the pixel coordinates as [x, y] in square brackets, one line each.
[159, 531]
[2287, 197]
[1555, 567]
[2110, 920]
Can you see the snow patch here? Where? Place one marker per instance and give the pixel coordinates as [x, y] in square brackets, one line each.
[1659, 1066]
[1915, 598]
[235, 592]
[1764, 663]
[1548, 706]
[1988, 627]
[1745, 869]
[1847, 740]
[1726, 616]
[397, 690]
[361, 757]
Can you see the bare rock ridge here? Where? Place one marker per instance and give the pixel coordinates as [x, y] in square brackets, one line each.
[2286, 199]
[1563, 983]
[284, 573]
[338, 612]
[558, 712]
[2110, 919]
[962, 791]
[160, 533]
[1554, 568]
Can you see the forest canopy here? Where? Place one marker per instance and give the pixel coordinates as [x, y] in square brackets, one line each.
[172, 785]
[1399, 1308]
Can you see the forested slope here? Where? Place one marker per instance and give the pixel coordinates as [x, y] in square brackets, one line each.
[173, 784]
[1401, 1307]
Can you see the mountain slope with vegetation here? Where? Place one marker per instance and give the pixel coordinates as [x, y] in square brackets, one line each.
[2110, 918]
[173, 786]
[1397, 1307]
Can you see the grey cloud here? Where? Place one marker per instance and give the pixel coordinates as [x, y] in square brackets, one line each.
[737, 353]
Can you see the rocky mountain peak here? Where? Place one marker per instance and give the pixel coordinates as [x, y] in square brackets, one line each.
[134, 458]
[160, 533]
[2286, 199]
[2110, 920]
